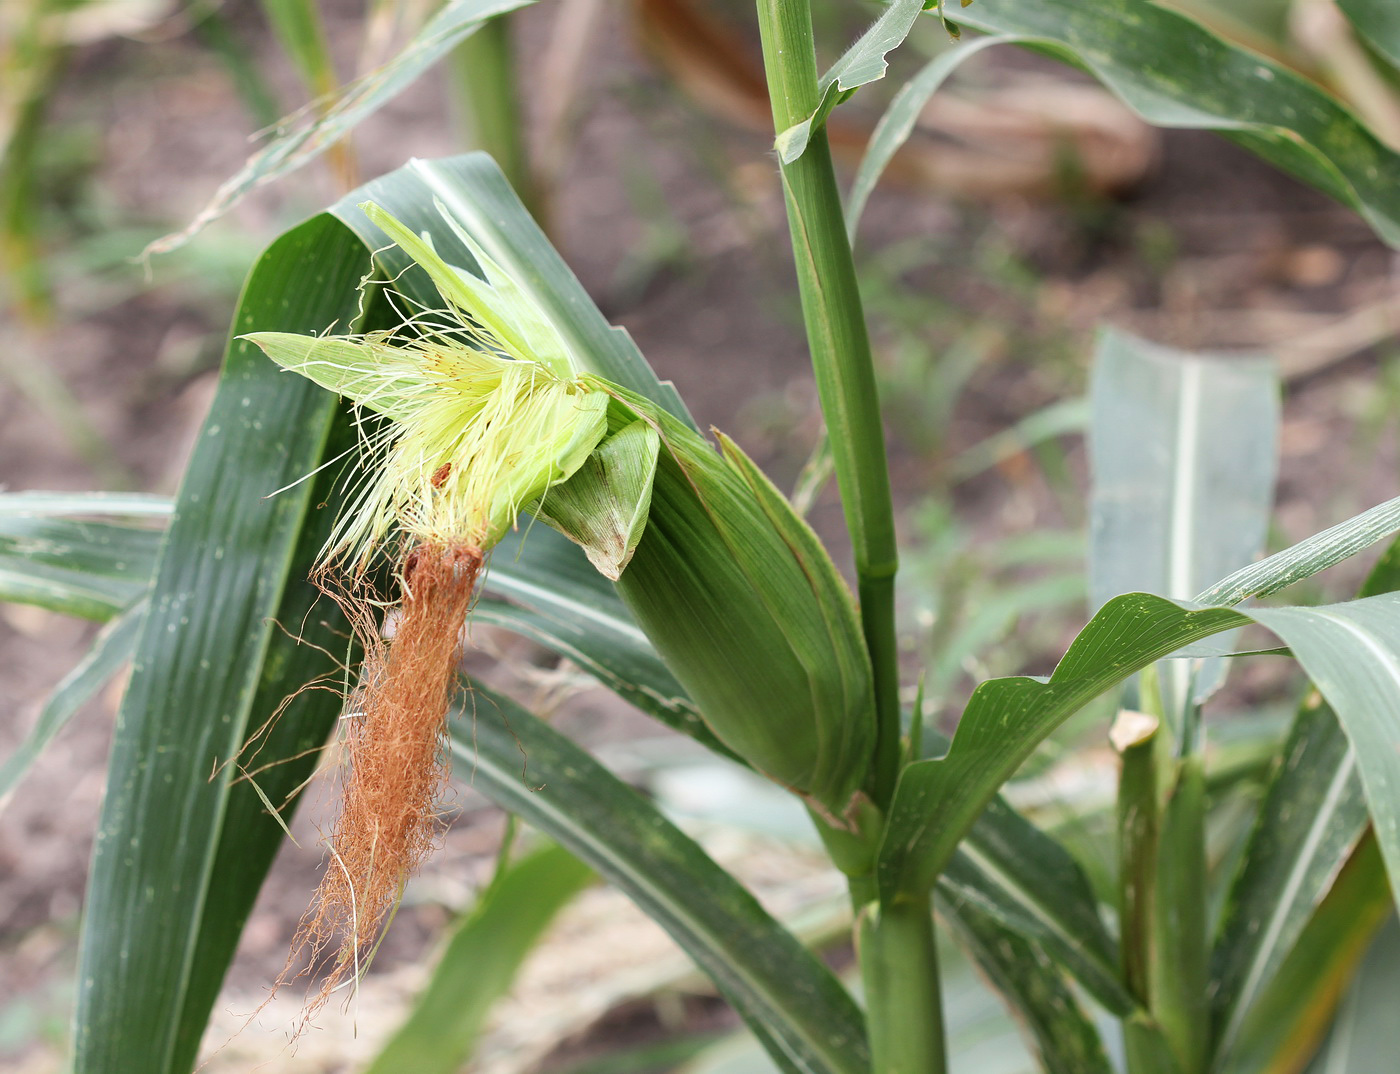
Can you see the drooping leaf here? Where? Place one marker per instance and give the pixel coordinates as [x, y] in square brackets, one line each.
[304, 137]
[897, 123]
[83, 566]
[806, 1020]
[1174, 73]
[936, 801]
[110, 650]
[85, 505]
[482, 956]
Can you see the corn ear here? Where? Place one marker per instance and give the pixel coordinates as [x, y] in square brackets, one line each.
[745, 607]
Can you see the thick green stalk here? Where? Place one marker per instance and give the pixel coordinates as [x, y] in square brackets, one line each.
[841, 360]
[899, 967]
[899, 962]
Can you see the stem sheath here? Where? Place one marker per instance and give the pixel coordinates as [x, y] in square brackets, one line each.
[899, 966]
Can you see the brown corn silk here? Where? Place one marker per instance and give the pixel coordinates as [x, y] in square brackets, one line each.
[394, 765]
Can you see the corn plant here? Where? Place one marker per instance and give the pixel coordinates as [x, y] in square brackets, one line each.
[416, 370]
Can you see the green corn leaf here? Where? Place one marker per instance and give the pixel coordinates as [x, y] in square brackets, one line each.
[110, 650]
[305, 138]
[1045, 1006]
[1022, 879]
[807, 1021]
[1173, 73]
[1292, 1013]
[1183, 450]
[1306, 558]
[937, 801]
[179, 856]
[1351, 652]
[1362, 1038]
[1378, 23]
[480, 961]
[1183, 453]
[85, 505]
[897, 123]
[1309, 823]
[87, 567]
[861, 64]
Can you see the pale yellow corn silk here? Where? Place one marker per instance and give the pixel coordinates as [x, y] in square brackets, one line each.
[476, 430]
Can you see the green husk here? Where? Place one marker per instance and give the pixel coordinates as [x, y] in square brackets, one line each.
[747, 610]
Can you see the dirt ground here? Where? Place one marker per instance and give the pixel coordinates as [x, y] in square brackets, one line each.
[671, 216]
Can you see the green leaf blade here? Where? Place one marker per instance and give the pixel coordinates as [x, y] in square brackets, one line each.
[111, 649]
[1351, 652]
[480, 962]
[937, 801]
[808, 1021]
[298, 143]
[1174, 73]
